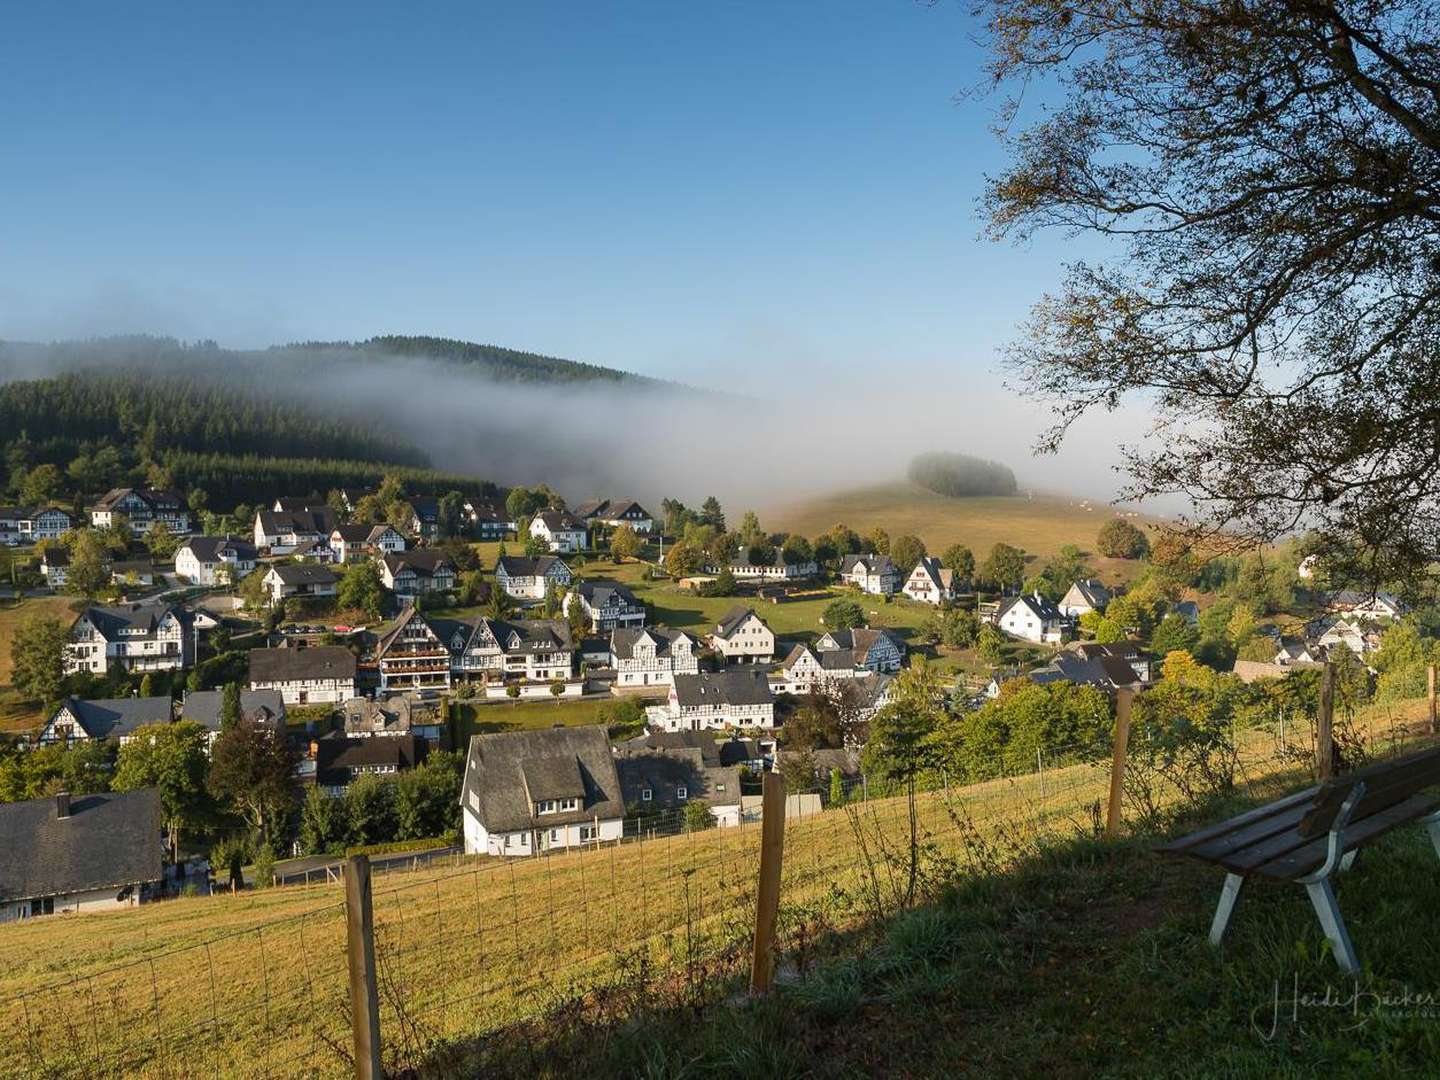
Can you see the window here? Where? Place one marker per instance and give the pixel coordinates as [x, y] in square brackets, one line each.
[719, 787]
[569, 804]
[681, 793]
[646, 795]
[554, 836]
[587, 833]
[545, 806]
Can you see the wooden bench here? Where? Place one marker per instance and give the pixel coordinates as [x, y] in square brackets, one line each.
[1314, 834]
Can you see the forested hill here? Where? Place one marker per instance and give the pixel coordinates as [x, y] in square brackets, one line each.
[495, 361]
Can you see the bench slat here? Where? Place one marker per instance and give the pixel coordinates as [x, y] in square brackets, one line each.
[1185, 843]
[1386, 784]
[1220, 848]
[1300, 861]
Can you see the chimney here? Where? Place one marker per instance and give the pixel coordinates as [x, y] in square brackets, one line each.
[62, 805]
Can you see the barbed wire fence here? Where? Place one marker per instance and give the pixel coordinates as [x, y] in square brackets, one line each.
[466, 948]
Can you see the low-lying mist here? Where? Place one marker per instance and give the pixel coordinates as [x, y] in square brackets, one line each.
[761, 443]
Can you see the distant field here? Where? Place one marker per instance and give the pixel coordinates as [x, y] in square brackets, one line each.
[1040, 525]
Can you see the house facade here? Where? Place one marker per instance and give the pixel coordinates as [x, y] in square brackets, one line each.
[741, 635]
[265, 708]
[411, 656]
[1032, 618]
[318, 674]
[930, 583]
[874, 574]
[141, 507]
[135, 637]
[1084, 597]
[21, 525]
[304, 580]
[662, 782]
[335, 762]
[415, 573]
[214, 560]
[488, 520]
[607, 604]
[560, 531]
[77, 720]
[282, 531]
[536, 650]
[737, 698]
[651, 656]
[614, 513]
[351, 543]
[55, 567]
[527, 578]
[742, 569]
[77, 854]
[530, 791]
[862, 649]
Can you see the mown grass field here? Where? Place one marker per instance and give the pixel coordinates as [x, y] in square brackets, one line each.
[1040, 525]
[256, 983]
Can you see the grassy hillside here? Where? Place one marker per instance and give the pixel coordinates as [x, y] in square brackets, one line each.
[1040, 525]
[14, 715]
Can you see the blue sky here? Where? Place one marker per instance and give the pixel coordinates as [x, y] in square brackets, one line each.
[670, 188]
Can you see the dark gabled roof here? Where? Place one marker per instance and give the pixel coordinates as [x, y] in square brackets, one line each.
[725, 687]
[552, 778]
[622, 640]
[352, 534]
[715, 750]
[336, 755]
[526, 566]
[875, 564]
[426, 507]
[108, 841]
[424, 561]
[316, 519]
[111, 619]
[599, 594]
[1093, 592]
[111, 718]
[592, 508]
[209, 548]
[531, 635]
[929, 565]
[731, 620]
[1122, 650]
[663, 772]
[305, 574]
[498, 766]
[155, 498]
[259, 706]
[1105, 672]
[299, 665]
[860, 640]
[56, 556]
[1045, 609]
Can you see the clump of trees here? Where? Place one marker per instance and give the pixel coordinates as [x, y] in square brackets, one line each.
[959, 475]
[1119, 539]
[418, 804]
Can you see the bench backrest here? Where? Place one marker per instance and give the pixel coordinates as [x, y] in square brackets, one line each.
[1386, 784]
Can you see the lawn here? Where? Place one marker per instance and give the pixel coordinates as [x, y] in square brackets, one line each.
[1039, 525]
[528, 715]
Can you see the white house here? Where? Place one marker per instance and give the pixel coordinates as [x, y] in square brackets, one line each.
[1032, 618]
[1336, 630]
[739, 697]
[651, 656]
[55, 567]
[929, 582]
[1369, 607]
[870, 573]
[414, 573]
[530, 791]
[82, 853]
[214, 560]
[538, 650]
[135, 637]
[352, 542]
[299, 579]
[1084, 597]
[141, 507]
[742, 635]
[411, 656]
[263, 707]
[488, 519]
[281, 531]
[560, 530]
[615, 512]
[862, 649]
[78, 720]
[742, 569]
[527, 578]
[19, 525]
[607, 604]
[666, 780]
[317, 674]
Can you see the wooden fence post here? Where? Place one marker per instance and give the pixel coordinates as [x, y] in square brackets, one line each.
[364, 988]
[1324, 726]
[767, 895]
[1434, 724]
[1124, 699]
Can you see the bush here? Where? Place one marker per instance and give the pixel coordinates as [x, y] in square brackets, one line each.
[264, 867]
[698, 816]
[959, 475]
[843, 614]
[1118, 539]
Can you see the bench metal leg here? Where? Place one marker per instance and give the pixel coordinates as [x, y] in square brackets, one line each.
[1432, 826]
[1322, 896]
[1348, 860]
[1228, 897]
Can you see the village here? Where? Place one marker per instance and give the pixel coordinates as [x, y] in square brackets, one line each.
[567, 676]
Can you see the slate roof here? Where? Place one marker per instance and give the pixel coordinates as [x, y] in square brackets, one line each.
[498, 767]
[622, 640]
[1105, 672]
[108, 841]
[208, 549]
[304, 574]
[110, 718]
[1045, 610]
[361, 534]
[155, 498]
[111, 619]
[260, 706]
[526, 566]
[738, 687]
[560, 521]
[1091, 591]
[942, 577]
[664, 772]
[318, 519]
[874, 564]
[300, 665]
[715, 749]
[424, 561]
[531, 635]
[336, 755]
[600, 594]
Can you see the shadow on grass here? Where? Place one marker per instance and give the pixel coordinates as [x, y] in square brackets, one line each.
[1084, 958]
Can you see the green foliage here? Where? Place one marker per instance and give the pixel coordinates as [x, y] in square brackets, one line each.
[1004, 567]
[837, 789]
[1174, 632]
[959, 475]
[82, 769]
[251, 767]
[37, 657]
[175, 759]
[990, 644]
[264, 866]
[86, 575]
[697, 816]
[723, 584]
[960, 559]
[361, 589]
[1004, 735]
[906, 552]
[1119, 539]
[843, 614]
[625, 543]
[322, 828]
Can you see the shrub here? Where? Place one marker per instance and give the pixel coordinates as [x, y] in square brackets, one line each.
[1118, 539]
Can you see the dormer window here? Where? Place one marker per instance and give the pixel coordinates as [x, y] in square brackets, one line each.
[681, 793]
[646, 795]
